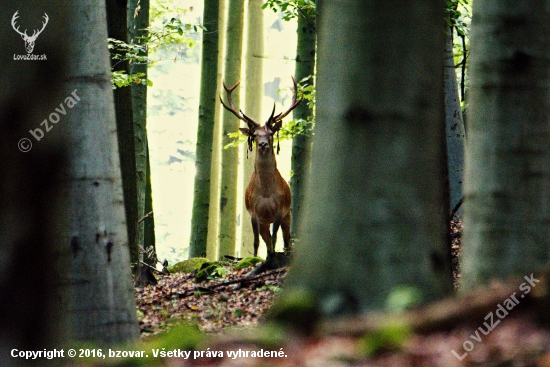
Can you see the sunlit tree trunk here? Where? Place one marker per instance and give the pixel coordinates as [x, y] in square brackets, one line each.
[205, 132]
[301, 144]
[454, 127]
[117, 28]
[32, 210]
[507, 178]
[212, 242]
[230, 124]
[100, 297]
[149, 222]
[253, 107]
[374, 217]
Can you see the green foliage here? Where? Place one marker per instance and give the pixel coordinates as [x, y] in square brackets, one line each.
[173, 35]
[292, 8]
[211, 270]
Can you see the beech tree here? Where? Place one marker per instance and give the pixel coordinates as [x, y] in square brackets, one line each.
[97, 294]
[507, 176]
[375, 219]
[230, 124]
[205, 131]
[117, 29]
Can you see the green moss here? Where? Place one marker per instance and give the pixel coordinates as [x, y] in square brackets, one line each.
[187, 266]
[248, 261]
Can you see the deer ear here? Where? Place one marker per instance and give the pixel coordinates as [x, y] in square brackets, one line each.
[245, 130]
[277, 126]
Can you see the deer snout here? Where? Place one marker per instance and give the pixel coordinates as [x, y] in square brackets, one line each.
[262, 145]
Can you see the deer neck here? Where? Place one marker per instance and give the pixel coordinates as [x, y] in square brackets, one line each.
[265, 166]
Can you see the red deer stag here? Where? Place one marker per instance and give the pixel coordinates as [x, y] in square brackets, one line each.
[267, 196]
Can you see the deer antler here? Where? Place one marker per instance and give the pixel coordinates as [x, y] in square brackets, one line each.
[13, 19]
[37, 32]
[231, 108]
[275, 122]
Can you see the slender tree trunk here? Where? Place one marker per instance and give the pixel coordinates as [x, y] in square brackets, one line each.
[138, 21]
[205, 132]
[230, 124]
[32, 215]
[117, 28]
[507, 178]
[374, 208]
[214, 211]
[149, 222]
[100, 303]
[301, 144]
[454, 127]
[253, 107]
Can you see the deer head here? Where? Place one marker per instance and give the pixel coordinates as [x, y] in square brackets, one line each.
[262, 135]
[29, 40]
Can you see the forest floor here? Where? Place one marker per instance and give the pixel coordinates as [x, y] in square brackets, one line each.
[224, 306]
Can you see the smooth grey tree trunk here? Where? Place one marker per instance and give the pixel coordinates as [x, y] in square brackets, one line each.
[99, 298]
[507, 177]
[375, 217]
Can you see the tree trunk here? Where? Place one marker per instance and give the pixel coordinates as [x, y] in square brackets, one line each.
[212, 242]
[301, 144]
[149, 222]
[116, 22]
[230, 124]
[253, 107]
[138, 20]
[205, 132]
[507, 177]
[376, 219]
[32, 215]
[454, 127]
[100, 298]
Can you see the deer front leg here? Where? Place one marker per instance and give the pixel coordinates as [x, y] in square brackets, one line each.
[256, 231]
[276, 225]
[264, 231]
[285, 227]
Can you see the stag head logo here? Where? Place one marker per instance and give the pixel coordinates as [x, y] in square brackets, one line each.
[29, 40]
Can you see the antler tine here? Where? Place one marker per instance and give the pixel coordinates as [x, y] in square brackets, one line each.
[231, 108]
[13, 20]
[294, 104]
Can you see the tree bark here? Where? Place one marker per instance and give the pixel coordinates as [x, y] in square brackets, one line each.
[100, 299]
[507, 177]
[138, 20]
[301, 144]
[205, 132]
[230, 124]
[117, 28]
[454, 128]
[375, 213]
